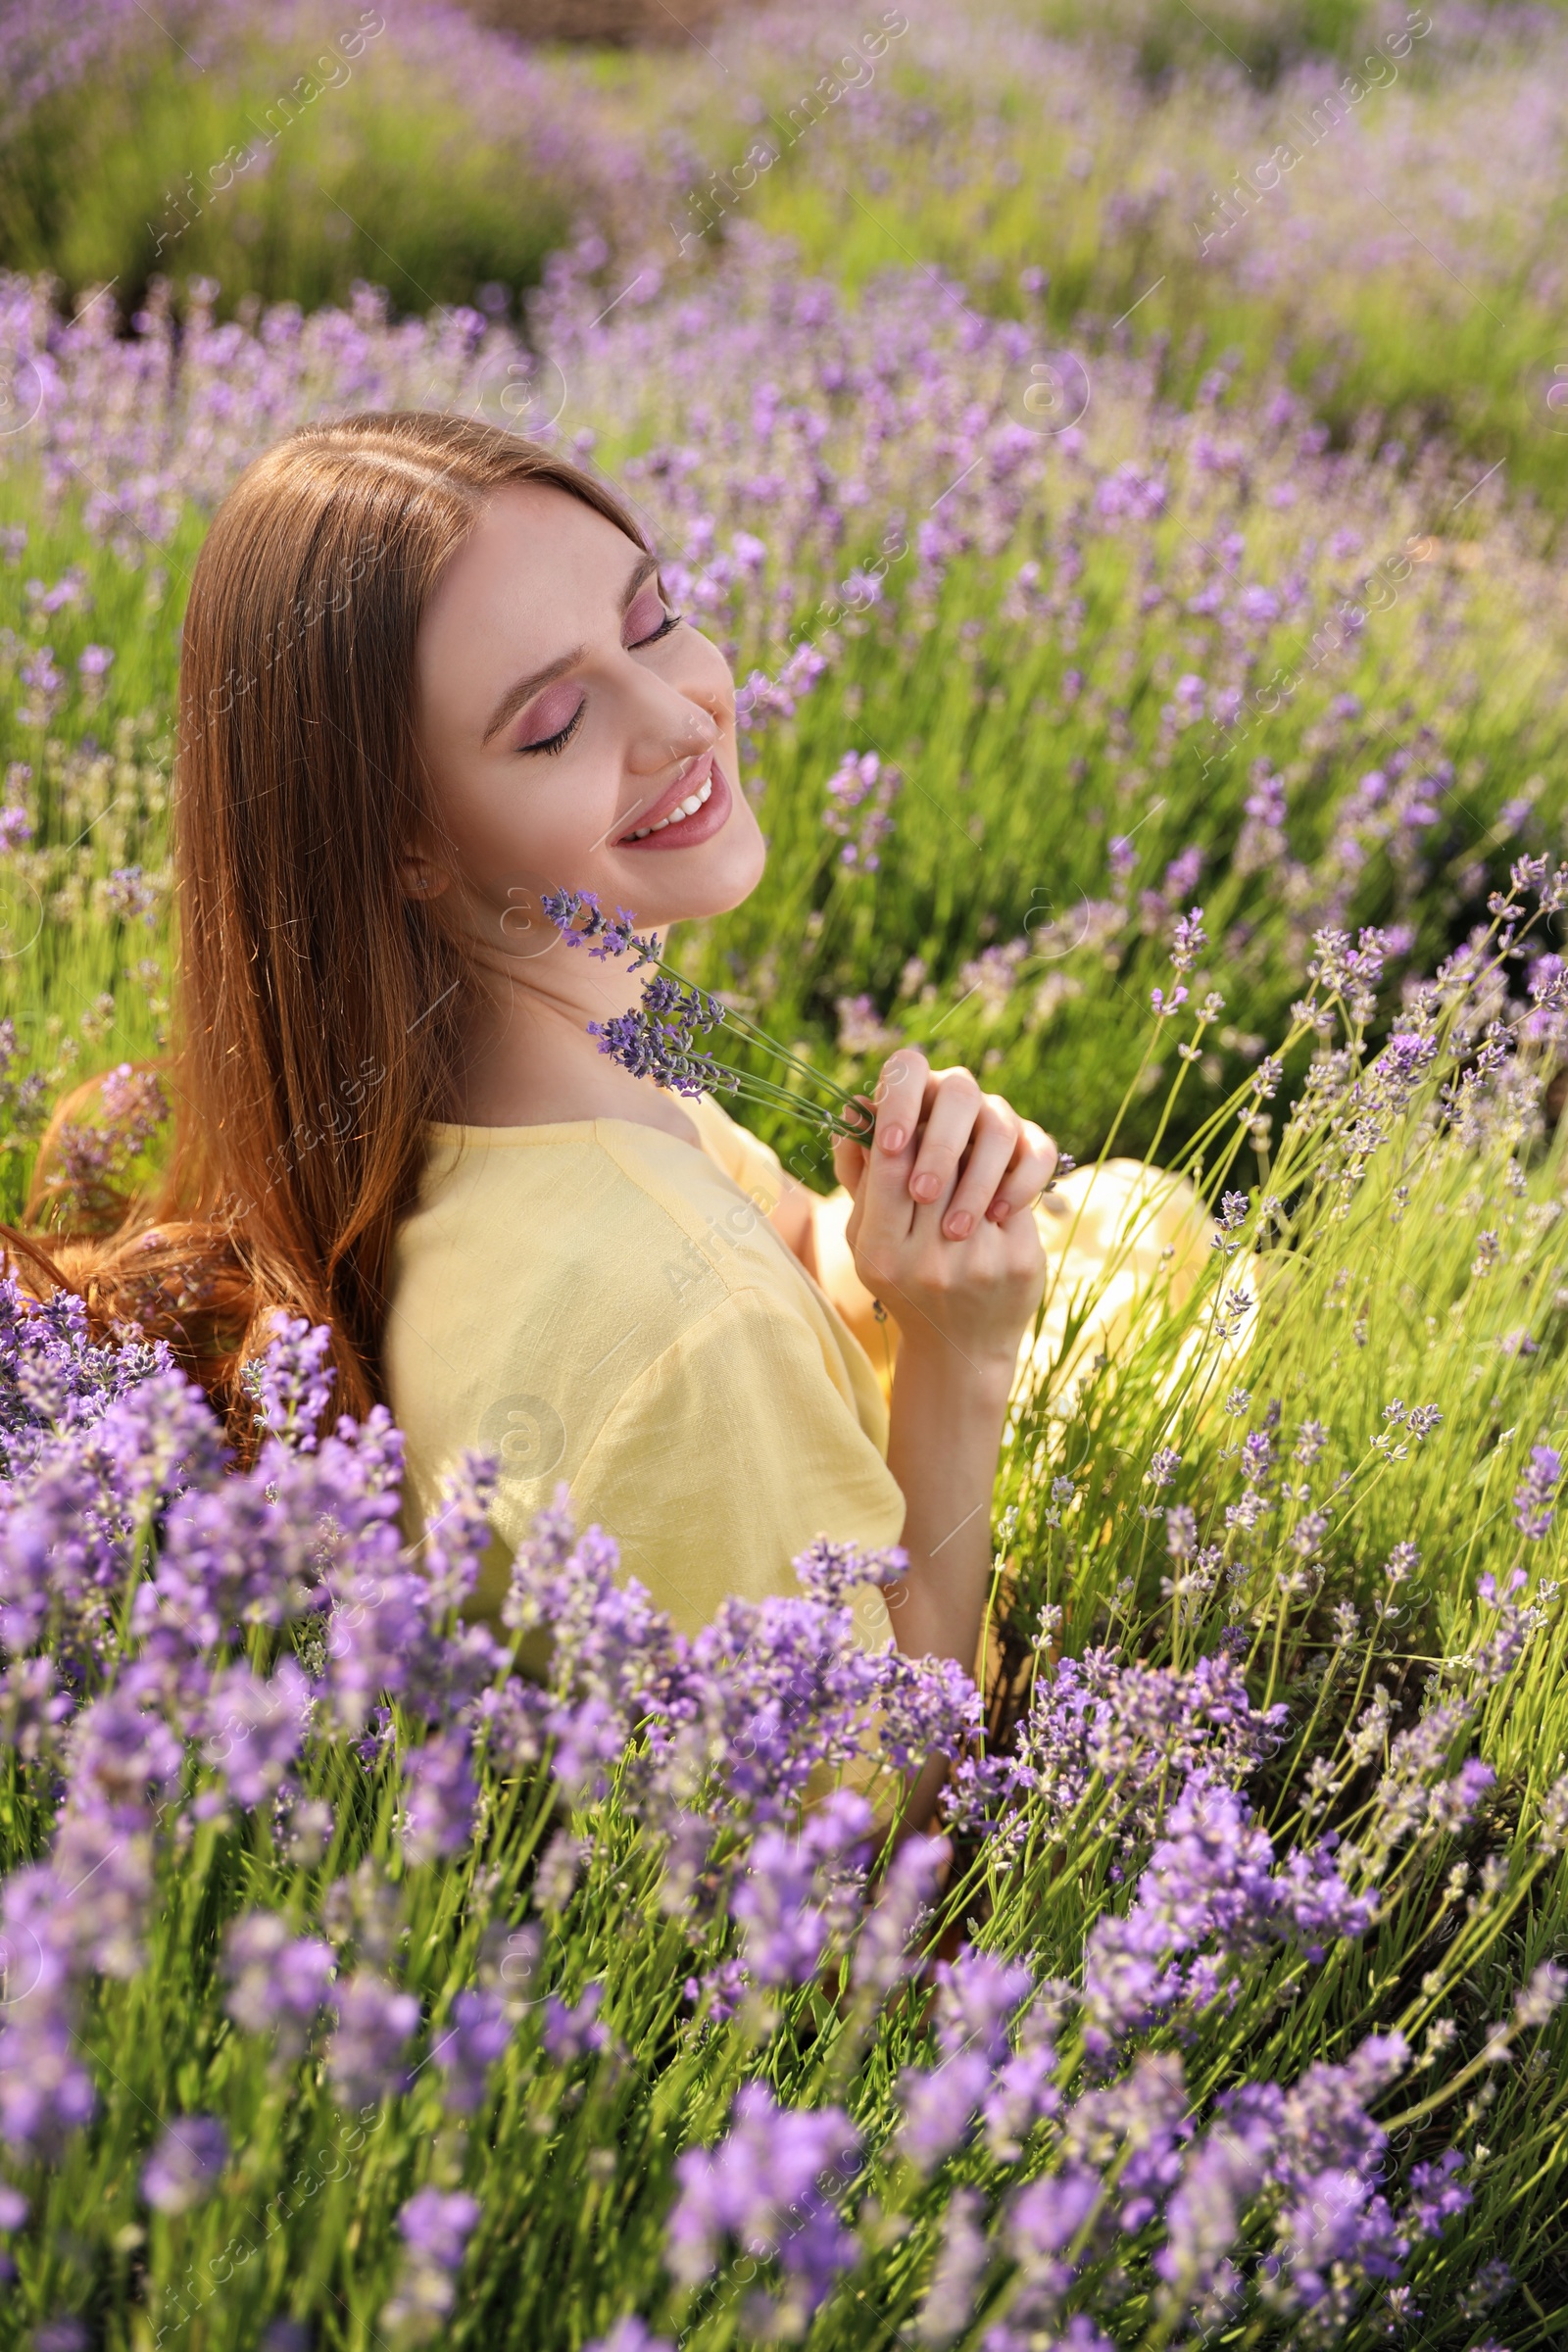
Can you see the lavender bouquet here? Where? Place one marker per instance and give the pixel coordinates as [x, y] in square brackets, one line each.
[658, 1040]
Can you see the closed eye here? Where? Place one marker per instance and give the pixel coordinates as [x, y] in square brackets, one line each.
[641, 612]
[646, 619]
[561, 737]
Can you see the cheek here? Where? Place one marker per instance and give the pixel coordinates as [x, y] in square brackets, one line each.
[537, 817]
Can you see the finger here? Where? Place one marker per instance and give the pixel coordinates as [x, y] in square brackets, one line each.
[849, 1162]
[991, 1149]
[953, 1101]
[850, 1154]
[887, 1211]
[863, 1107]
[901, 1097]
[1030, 1171]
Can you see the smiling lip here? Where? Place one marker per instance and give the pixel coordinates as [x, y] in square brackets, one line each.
[686, 831]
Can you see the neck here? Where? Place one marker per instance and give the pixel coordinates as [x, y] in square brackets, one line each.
[530, 1061]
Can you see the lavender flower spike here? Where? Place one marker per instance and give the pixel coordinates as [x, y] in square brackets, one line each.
[1534, 1503]
[658, 1040]
[436, 2228]
[184, 2166]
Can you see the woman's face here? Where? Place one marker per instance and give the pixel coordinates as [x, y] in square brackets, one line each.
[564, 715]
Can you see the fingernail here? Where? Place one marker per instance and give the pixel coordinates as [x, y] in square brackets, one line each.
[959, 1224]
[1002, 1211]
[893, 1139]
[926, 1187]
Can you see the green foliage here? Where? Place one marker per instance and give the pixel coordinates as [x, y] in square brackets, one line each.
[1368, 1298]
[375, 174]
[1022, 754]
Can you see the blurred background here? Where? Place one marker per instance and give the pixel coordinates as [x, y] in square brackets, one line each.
[1122, 449]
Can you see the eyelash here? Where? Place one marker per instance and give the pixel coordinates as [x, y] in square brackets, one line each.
[559, 742]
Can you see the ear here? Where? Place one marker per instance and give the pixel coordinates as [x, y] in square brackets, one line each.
[419, 878]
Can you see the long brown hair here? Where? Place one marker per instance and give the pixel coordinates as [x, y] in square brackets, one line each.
[318, 1009]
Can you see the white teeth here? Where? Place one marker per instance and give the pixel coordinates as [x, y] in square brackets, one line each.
[686, 807]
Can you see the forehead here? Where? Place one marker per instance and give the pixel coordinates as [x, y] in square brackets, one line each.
[539, 565]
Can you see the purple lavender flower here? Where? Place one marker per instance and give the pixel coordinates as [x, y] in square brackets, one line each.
[477, 2034]
[664, 1049]
[1181, 1531]
[1317, 1900]
[798, 1892]
[881, 1951]
[253, 1729]
[719, 1991]
[1141, 1729]
[1335, 2225]
[86, 1907]
[46, 2093]
[570, 2034]
[926, 1707]
[1489, 2284]
[457, 1535]
[860, 793]
[374, 2026]
[278, 1982]
[1451, 1804]
[589, 1736]
[1045, 2218]
[1209, 1877]
[1220, 2175]
[435, 2227]
[293, 1380]
[126, 1759]
[184, 2166]
[130, 894]
[762, 2188]
[441, 1797]
[1141, 2117]
[630, 2335]
[964, 2255]
[977, 1996]
[1188, 938]
[1436, 2196]
[1536, 2003]
[657, 1040]
[578, 916]
[65, 2333]
[939, 2107]
[1533, 1502]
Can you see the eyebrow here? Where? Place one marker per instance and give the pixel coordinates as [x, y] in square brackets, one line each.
[513, 701]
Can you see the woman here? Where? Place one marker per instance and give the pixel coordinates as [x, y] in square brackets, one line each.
[429, 674]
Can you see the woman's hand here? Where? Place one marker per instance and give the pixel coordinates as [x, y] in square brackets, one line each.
[940, 1232]
[934, 1231]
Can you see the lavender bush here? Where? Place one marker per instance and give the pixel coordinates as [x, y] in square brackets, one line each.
[1011, 696]
[1159, 713]
[1352, 191]
[360, 1986]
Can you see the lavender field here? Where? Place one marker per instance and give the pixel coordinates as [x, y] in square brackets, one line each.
[1143, 556]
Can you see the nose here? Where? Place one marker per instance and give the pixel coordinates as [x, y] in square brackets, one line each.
[670, 728]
